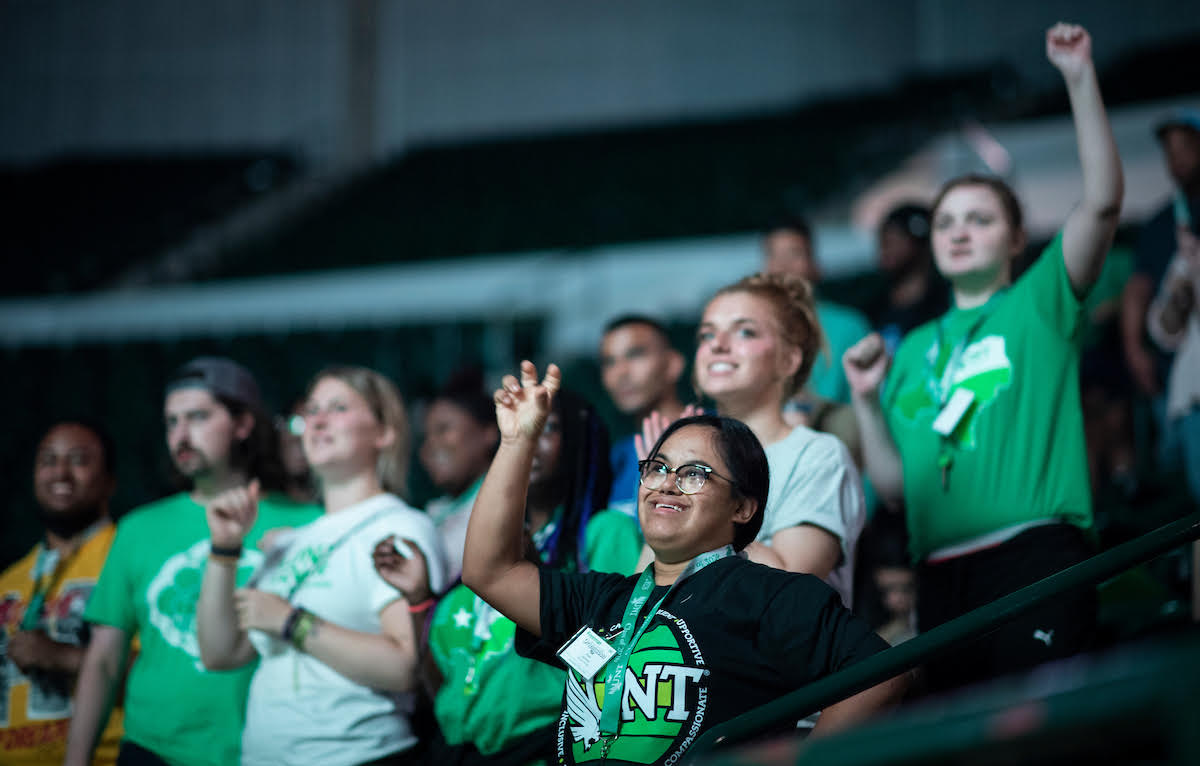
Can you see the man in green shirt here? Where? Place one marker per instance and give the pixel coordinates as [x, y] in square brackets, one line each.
[176, 712]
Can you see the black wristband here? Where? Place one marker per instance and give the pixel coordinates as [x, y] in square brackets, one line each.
[232, 552]
[289, 624]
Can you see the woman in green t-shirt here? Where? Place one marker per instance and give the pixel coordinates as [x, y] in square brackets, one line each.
[476, 673]
[978, 425]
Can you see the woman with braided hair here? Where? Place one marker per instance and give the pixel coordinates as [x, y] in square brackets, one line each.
[476, 668]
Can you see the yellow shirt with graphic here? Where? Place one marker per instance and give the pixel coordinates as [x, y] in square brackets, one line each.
[35, 712]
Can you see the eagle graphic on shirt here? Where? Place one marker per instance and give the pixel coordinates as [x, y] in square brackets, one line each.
[663, 700]
[582, 707]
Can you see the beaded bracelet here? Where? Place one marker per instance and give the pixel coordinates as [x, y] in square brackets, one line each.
[304, 625]
[289, 625]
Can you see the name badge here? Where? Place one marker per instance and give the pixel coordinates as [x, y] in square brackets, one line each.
[952, 414]
[586, 653]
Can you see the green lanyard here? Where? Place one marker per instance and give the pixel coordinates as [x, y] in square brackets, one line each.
[944, 384]
[317, 564]
[614, 677]
[49, 559]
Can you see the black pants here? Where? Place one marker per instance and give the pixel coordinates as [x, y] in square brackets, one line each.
[1059, 628]
[132, 754]
[538, 745]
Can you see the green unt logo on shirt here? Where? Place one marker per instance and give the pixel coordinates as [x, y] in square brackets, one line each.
[985, 370]
[662, 708]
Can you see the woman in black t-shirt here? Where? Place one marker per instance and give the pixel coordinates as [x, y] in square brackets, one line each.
[722, 634]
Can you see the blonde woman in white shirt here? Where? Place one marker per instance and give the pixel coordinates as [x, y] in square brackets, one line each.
[337, 646]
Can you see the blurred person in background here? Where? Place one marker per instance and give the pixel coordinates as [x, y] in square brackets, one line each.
[1174, 323]
[889, 584]
[460, 439]
[979, 426]
[915, 292]
[333, 648]
[640, 371]
[299, 483]
[788, 249]
[493, 706]
[1179, 137]
[42, 633]
[176, 712]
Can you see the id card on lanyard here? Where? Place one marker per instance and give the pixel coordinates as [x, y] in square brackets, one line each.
[590, 652]
[953, 403]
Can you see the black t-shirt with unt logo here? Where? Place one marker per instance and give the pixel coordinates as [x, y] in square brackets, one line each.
[733, 636]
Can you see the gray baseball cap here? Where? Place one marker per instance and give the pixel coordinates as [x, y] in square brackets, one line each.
[1180, 118]
[219, 376]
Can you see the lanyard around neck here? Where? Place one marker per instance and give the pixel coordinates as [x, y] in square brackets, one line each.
[614, 677]
[945, 380]
[318, 563]
[45, 582]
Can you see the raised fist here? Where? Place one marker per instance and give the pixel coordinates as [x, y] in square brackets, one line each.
[231, 514]
[1069, 48]
[866, 365]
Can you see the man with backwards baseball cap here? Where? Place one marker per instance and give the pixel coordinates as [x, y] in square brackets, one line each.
[176, 711]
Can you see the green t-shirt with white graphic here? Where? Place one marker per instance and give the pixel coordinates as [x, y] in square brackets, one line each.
[149, 586]
[1018, 453]
[490, 696]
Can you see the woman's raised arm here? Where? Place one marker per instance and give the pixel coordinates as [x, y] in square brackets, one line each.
[1089, 229]
[494, 565]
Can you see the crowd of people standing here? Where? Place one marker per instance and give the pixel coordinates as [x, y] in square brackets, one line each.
[569, 598]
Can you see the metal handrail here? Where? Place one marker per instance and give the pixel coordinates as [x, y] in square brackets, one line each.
[979, 622]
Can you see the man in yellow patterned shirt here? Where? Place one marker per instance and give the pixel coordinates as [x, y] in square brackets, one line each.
[42, 596]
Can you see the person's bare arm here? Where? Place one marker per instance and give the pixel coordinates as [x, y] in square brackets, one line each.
[223, 644]
[807, 548]
[866, 364]
[1135, 302]
[100, 676]
[1167, 317]
[860, 707]
[385, 660]
[1088, 232]
[34, 651]
[494, 563]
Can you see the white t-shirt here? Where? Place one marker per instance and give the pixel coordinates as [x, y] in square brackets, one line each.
[299, 710]
[814, 481]
[450, 515]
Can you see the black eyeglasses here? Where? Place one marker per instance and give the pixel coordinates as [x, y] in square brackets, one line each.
[689, 477]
